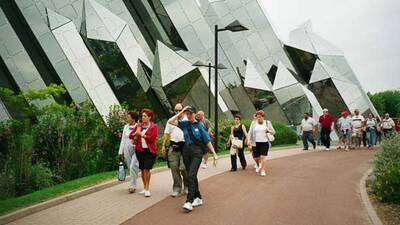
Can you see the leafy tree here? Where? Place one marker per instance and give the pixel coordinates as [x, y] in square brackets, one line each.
[387, 102]
[20, 101]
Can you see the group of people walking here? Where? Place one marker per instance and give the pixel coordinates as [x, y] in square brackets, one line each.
[186, 141]
[353, 130]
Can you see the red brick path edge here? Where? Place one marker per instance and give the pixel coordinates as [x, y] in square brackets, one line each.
[366, 201]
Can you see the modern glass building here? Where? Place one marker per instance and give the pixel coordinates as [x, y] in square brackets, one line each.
[141, 53]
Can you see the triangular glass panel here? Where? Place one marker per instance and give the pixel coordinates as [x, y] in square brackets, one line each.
[253, 78]
[56, 20]
[170, 64]
[284, 77]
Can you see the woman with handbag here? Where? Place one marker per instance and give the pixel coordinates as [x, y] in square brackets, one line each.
[236, 142]
[262, 134]
[127, 152]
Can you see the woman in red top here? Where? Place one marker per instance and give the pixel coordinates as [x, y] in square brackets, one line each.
[145, 140]
[397, 125]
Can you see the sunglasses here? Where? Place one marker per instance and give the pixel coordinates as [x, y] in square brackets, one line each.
[178, 110]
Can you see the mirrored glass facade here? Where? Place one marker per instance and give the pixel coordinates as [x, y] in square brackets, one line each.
[140, 52]
[322, 65]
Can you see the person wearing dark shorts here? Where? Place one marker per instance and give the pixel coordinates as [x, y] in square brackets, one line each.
[145, 139]
[262, 148]
[259, 137]
[146, 159]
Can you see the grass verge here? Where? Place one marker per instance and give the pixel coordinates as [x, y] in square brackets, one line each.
[13, 204]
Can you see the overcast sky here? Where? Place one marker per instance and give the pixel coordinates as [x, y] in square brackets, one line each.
[368, 31]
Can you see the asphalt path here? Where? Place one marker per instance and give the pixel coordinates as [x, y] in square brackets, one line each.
[316, 188]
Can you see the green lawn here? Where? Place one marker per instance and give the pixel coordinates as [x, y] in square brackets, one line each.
[12, 204]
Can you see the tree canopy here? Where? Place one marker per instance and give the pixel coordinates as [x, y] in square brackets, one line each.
[387, 102]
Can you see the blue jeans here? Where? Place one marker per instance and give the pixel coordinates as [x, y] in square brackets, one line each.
[371, 137]
[307, 136]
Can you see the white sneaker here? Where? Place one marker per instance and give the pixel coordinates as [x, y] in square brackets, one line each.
[175, 193]
[147, 193]
[186, 191]
[188, 206]
[205, 166]
[142, 192]
[197, 202]
[327, 149]
[263, 174]
[258, 169]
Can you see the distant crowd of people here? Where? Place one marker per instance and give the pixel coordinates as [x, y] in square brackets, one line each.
[186, 144]
[353, 130]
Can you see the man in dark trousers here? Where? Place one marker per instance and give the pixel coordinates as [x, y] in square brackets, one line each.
[326, 123]
[196, 138]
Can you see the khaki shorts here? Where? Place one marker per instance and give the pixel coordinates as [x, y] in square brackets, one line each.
[357, 132]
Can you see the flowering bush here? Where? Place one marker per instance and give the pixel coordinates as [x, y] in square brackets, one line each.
[386, 184]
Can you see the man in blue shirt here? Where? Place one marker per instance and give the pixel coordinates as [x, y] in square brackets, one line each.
[196, 138]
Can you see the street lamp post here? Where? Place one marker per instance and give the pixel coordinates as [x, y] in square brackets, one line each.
[209, 90]
[235, 26]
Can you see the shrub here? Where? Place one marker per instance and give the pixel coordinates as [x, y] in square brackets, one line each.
[387, 171]
[75, 143]
[18, 175]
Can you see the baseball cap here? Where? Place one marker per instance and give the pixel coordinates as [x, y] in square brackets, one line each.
[192, 109]
[325, 110]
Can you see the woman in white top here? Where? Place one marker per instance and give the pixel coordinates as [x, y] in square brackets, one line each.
[126, 150]
[258, 137]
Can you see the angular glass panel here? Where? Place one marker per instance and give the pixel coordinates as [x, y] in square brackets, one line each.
[154, 23]
[284, 77]
[329, 97]
[266, 101]
[253, 78]
[32, 47]
[303, 62]
[7, 81]
[86, 68]
[122, 80]
[295, 108]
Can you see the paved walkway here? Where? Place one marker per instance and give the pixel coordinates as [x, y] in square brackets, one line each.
[317, 188]
[114, 205]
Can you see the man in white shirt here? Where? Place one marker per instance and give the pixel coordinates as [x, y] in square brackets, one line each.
[345, 128]
[174, 155]
[307, 130]
[358, 123]
[387, 125]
